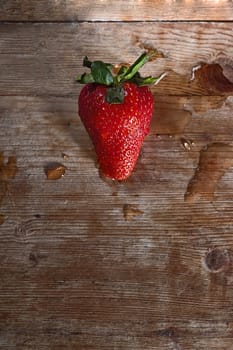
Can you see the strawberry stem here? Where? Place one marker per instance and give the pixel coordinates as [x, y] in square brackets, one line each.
[101, 73]
[134, 68]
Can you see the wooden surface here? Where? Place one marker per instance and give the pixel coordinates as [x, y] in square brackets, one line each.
[89, 263]
[110, 10]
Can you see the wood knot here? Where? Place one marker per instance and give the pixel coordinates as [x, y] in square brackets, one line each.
[217, 260]
[21, 230]
[27, 229]
[167, 332]
[35, 257]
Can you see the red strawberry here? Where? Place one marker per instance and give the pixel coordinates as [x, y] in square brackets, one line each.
[116, 111]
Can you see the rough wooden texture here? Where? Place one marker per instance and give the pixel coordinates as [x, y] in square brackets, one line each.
[110, 10]
[89, 263]
[45, 58]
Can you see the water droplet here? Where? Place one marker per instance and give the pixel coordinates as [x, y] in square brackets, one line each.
[169, 117]
[130, 211]
[187, 144]
[64, 156]
[8, 171]
[214, 160]
[55, 171]
[210, 77]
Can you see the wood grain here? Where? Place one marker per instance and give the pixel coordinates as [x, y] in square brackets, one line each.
[45, 58]
[75, 273]
[90, 263]
[109, 10]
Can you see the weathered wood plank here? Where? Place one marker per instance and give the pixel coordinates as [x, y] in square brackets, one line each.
[75, 274]
[43, 129]
[44, 59]
[102, 10]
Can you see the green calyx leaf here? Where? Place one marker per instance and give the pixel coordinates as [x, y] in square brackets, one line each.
[85, 78]
[86, 62]
[102, 73]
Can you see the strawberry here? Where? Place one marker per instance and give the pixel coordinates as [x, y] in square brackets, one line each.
[116, 110]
